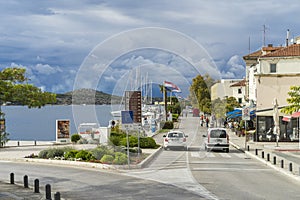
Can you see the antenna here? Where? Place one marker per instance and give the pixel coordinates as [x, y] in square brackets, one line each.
[287, 37]
[264, 34]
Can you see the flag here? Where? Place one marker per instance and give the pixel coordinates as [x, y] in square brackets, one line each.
[172, 86]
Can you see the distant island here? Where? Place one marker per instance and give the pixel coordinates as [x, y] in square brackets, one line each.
[87, 96]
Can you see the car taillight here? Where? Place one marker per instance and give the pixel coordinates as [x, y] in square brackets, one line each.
[166, 140]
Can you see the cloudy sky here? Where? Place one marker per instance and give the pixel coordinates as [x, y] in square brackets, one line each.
[67, 44]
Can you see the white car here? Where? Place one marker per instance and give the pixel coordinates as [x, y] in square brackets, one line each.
[217, 138]
[175, 139]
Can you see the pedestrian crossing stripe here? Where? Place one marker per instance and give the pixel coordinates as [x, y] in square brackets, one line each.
[213, 155]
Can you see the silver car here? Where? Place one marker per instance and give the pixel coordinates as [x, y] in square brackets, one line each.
[217, 138]
[175, 139]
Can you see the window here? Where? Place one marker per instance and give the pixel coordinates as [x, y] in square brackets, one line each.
[240, 91]
[273, 68]
[240, 100]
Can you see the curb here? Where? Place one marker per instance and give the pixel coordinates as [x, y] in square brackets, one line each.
[268, 163]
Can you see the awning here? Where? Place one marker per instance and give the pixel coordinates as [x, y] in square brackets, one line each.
[237, 113]
[286, 118]
[296, 114]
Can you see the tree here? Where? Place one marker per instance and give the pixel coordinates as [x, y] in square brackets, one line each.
[293, 100]
[200, 93]
[231, 104]
[15, 90]
[221, 107]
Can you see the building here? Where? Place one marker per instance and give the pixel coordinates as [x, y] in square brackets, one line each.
[270, 73]
[223, 89]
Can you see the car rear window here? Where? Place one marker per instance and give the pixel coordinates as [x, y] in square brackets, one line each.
[218, 134]
[175, 135]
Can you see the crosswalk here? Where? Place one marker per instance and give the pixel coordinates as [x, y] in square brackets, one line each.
[203, 154]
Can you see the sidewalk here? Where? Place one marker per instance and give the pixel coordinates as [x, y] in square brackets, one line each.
[285, 158]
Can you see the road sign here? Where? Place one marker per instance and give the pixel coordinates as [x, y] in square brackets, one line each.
[127, 117]
[246, 113]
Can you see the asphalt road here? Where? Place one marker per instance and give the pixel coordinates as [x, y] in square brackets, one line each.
[192, 174]
[220, 175]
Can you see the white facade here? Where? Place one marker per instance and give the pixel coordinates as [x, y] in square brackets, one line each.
[222, 89]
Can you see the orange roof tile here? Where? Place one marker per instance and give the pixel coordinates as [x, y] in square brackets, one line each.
[239, 84]
[292, 50]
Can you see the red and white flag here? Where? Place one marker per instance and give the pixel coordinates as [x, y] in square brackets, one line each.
[172, 86]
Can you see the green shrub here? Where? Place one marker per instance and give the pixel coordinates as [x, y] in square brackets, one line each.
[43, 153]
[71, 154]
[55, 152]
[100, 151]
[115, 140]
[84, 155]
[147, 142]
[168, 125]
[51, 153]
[107, 159]
[120, 158]
[133, 141]
[75, 138]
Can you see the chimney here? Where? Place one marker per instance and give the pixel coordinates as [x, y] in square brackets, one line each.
[287, 37]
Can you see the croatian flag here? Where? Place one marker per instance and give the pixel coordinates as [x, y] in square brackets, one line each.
[172, 86]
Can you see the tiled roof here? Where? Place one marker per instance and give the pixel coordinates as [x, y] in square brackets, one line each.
[255, 54]
[292, 50]
[239, 84]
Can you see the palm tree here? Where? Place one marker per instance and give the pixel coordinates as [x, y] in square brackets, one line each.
[164, 90]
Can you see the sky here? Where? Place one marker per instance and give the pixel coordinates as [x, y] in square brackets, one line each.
[117, 45]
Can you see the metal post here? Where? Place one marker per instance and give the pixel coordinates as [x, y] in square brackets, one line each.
[248, 148]
[34, 142]
[274, 160]
[48, 191]
[263, 154]
[128, 159]
[57, 196]
[268, 157]
[36, 186]
[291, 167]
[25, 181]
[245, 134]
[12, 178]
[282, 163]
[18, 143]
[256, 152]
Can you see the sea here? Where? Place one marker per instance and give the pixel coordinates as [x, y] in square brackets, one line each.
[39, 124]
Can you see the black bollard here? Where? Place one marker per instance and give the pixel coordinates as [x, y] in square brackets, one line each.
[248, 147]
[34, 142]
[25, 181]
[274, 160]
[48, 192]
[36, 186]
[268, 157]
[282, 164]
[256, 152]
[291, 167]
[12, 178]
[263, 154]
[57, 196]
[18, 143]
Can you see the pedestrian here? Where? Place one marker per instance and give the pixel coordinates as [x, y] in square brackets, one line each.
[207, 122]
[201, 120]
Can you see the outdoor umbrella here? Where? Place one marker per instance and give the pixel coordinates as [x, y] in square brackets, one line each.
[276, 119]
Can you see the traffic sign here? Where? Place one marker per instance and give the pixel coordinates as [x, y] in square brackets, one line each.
[127, 117]
[246, 113]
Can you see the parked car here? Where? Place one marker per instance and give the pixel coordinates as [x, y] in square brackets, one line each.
[175, 139]
[217, 139]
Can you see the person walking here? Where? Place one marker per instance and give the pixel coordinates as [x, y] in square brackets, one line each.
[207, 122]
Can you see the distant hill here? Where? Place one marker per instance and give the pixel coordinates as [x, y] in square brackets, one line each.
[87, 96]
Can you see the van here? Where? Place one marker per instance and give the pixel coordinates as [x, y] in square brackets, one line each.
[217, 139]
